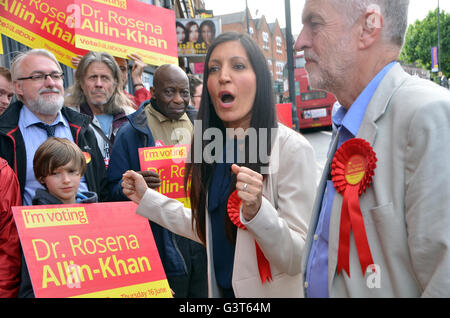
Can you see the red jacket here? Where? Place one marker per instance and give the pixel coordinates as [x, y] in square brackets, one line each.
[9, 239]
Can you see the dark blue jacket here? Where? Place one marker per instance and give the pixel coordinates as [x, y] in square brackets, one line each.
[124, 156]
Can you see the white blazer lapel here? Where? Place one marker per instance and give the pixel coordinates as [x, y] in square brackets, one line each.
[380, 103]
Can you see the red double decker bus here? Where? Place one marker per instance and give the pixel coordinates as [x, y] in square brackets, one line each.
[313, 106]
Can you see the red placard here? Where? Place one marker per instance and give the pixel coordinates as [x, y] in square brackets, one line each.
[90, 250]
[169, 163]
[123, 27]
[41, 24]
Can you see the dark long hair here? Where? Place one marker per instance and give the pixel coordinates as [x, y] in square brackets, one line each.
[263, 116]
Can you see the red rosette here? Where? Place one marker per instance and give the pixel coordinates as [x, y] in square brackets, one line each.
[357, 148]
[353, 168]
[234, 212]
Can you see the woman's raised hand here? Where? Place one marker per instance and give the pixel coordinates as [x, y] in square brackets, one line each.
[250, 186]
[134, 185]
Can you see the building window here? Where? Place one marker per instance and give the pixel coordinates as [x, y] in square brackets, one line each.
[279, 45]
[251, 30]
[265, 37]
[279, 68]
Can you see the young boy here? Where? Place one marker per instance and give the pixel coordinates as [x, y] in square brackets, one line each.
[59, 165]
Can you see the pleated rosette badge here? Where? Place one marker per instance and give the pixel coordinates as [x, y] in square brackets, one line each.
[353, 168]
[234, 211]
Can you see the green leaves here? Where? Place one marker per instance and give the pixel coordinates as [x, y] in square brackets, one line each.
[422, 36]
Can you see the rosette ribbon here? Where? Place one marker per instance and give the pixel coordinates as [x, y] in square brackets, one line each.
[352, 172]
[234, 210]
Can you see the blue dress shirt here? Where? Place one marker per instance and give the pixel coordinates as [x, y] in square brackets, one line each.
[33, 137]
[347, 123]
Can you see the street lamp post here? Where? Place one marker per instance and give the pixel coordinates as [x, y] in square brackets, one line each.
[439, 39]
[247, 18]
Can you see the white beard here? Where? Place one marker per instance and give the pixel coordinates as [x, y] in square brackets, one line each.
[47, 105]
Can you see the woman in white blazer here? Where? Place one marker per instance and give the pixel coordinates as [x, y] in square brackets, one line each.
[270, 167]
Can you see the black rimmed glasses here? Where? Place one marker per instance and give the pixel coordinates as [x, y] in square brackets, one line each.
[40, 77]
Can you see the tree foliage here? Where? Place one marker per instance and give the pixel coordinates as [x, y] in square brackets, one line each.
[422, 36]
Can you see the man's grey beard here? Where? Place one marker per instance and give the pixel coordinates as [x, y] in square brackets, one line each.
[108, 107]
[100, 106]
[47, 106]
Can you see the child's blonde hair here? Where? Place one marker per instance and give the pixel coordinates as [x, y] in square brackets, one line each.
[54, 153]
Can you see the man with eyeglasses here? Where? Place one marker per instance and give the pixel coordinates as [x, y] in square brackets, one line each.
[40, 113]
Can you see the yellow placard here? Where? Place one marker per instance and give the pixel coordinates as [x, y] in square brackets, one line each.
[169, 163]
[115, 49]
[54, 217]
[158, 289]
[164, 153]
[28, 38]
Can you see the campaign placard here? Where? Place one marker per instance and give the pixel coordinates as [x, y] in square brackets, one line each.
[169, 163]
[41, 24]
[90, 250]
[122, 27]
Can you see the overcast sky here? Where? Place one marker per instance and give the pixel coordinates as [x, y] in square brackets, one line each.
[274, 9]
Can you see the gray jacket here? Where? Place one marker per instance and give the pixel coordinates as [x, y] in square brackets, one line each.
[406, 209]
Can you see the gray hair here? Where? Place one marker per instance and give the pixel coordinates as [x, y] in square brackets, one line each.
[16, 70]
[118, 100]
[394, 12]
